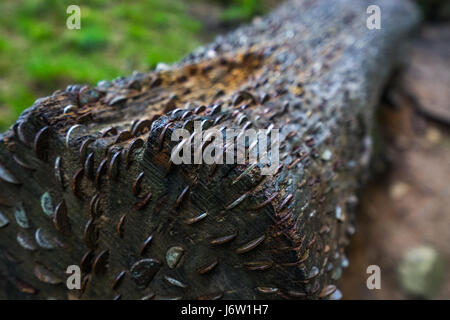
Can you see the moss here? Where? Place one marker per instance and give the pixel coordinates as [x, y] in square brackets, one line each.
[38, 54]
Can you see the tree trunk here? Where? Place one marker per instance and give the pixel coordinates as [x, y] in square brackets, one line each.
[86, 177]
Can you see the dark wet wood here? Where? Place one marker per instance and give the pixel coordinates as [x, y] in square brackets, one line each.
[310, 70]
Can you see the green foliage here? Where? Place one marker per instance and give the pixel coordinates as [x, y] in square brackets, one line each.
[38, 54]
[242, 10]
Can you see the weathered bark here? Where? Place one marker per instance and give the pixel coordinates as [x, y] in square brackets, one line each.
[311, 69]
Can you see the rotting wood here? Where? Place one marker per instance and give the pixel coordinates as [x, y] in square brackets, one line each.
[311, 69]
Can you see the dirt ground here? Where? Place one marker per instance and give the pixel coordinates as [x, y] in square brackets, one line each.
[408, 205]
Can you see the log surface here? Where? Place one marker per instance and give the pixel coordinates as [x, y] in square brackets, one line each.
[85, 176]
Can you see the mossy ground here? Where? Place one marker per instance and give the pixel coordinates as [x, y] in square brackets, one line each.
[38, 54]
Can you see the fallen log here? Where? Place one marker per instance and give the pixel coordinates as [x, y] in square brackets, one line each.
[87, 179]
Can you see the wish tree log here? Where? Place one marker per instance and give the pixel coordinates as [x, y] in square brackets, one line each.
[86, 177]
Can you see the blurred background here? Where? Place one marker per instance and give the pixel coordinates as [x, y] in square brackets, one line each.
[38, 54]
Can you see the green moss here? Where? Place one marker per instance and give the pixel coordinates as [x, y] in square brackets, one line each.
[38, 54]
